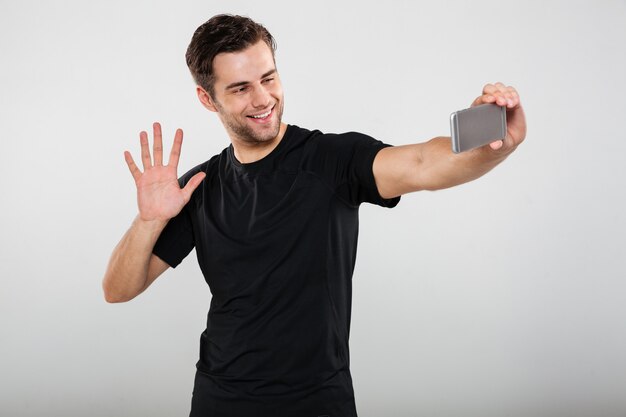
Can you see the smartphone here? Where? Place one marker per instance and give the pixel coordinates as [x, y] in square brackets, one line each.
[477, 126]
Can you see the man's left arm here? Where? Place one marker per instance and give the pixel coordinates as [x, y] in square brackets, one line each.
[433, 166]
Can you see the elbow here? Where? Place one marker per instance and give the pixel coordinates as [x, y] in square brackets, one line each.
[113, 296]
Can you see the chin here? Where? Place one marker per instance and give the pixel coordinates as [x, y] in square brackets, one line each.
[249, 134]
[265, 133]
[266, 136]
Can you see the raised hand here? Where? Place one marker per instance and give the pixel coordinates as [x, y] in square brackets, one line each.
[159, 197]
[507, 96]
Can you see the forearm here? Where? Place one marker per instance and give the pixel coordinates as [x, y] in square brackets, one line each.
[127, 272]
[431, 166]
[440, 168]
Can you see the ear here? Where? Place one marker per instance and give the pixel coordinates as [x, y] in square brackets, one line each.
[205, 99]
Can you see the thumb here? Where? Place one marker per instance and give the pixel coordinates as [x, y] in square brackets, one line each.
[192, 184]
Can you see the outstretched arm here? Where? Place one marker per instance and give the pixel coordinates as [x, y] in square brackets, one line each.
[133, 267]
[432, 165]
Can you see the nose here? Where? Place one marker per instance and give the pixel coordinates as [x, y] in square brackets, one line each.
[261, 97]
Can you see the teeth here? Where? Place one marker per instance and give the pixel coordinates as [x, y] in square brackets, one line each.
[261, 116]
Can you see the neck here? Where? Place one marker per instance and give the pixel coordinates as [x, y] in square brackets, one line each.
[247, 152]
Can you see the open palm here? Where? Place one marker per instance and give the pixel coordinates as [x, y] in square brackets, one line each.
[159, 196]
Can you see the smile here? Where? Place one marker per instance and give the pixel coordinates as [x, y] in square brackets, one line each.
[262, 115]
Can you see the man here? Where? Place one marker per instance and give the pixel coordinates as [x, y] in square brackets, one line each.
[274, 220]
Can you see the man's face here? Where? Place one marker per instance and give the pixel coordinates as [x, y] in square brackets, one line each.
[248, 94]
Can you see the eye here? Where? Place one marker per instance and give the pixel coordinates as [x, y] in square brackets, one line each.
[240, 90]
[268, 80]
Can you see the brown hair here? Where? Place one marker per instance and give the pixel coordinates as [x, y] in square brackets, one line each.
[222, 33]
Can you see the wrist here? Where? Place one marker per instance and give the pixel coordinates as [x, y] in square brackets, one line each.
[153, 226]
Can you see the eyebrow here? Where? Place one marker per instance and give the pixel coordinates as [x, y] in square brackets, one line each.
[240, 83]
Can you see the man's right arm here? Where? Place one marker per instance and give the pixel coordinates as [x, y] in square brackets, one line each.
[133, 266]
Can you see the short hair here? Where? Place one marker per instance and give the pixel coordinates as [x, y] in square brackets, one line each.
[222, 33]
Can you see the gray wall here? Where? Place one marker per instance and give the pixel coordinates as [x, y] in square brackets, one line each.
[500, 297]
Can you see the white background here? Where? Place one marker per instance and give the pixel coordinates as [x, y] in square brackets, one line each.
[503, 297]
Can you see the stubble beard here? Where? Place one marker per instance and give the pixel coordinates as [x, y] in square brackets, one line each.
[246, 133]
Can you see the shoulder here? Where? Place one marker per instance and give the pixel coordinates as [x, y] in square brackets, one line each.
[344, 139]
[329, 145]
[296, 136]
[209, 167]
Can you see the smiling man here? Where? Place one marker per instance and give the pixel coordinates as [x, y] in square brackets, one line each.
[274, 221]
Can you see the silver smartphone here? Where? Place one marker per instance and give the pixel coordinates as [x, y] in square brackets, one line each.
[477, 126]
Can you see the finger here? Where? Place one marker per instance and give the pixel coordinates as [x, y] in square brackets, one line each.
[493, 94]
[145, 151]
[500, 86]
[157, 146]
[496, 145]
[490, 89]
[501, 100]
[501, 93]
[484, 99]
[507, 98]
[509, 93]
[514, 97]
[134, 170]
[192, 184]
[506, 93]
[175, 153]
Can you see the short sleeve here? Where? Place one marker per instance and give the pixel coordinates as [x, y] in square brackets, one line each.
[177, 239]
[346, 162]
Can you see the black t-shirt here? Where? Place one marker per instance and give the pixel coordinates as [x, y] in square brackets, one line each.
[276, 240]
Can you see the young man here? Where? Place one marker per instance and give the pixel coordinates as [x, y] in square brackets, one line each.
[274, 220]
